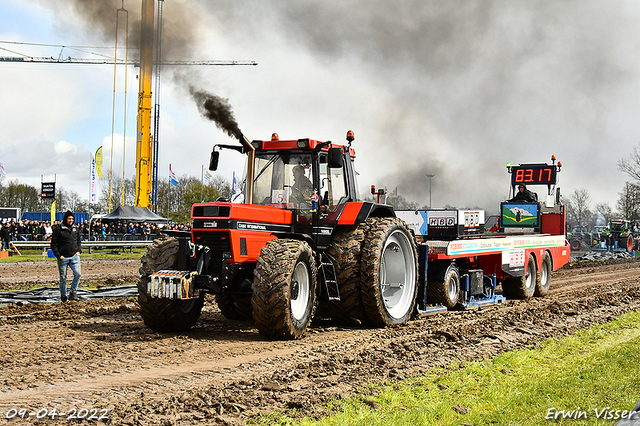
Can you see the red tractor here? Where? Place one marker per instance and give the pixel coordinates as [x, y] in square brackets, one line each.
[301, 239]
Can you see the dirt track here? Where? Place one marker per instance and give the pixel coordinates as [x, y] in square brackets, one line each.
[45, 273]
[98, 354]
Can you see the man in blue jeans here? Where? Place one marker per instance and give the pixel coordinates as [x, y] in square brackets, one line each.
[66, 244]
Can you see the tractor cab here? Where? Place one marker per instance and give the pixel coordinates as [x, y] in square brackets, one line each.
[301, 180]
[304, 174]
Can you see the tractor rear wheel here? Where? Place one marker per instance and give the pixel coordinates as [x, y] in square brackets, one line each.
[446, 291]
[235, 307]
[521, 287]
[284, 289]
[346, 250]
[165, 315]
[389, 272]
[543, 281]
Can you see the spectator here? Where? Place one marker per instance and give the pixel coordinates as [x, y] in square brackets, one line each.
[66, 244]
[48, 230]
[5, 235]
[23, 230]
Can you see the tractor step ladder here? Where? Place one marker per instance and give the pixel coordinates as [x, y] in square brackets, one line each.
[329, 276]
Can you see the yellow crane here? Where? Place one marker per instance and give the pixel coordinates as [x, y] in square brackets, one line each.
[144, 143]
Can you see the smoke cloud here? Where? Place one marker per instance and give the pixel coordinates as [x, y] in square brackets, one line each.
[491, 82]
[218, 110]
[180, 23]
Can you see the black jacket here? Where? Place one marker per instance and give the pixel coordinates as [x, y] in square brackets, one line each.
[526, 196]
[66, 241]
[5, 234]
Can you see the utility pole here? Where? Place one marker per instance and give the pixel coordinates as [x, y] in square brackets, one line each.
[430, 176]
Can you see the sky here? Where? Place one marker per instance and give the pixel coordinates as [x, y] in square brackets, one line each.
[452, 88]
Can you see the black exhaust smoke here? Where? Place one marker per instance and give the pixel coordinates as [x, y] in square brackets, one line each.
[218, 110]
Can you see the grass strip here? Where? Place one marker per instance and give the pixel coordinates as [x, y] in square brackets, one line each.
[588, 378]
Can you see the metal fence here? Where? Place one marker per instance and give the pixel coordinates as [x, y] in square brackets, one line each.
[90, 245]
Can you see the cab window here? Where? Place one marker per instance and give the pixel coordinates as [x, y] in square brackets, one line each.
[332, 183]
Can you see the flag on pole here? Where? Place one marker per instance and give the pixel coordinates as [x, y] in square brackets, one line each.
[2, 171]
[53, 212]
[207, 177]
[236, 195]
[99, 162]
[93, 196]
[172, 177]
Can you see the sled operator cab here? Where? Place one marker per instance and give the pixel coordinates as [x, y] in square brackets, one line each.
[544, 214]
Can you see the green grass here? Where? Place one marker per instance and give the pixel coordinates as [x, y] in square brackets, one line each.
[591, 370]
[36, 255]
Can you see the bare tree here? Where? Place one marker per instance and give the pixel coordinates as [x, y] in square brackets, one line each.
[578, 212]
[629, 201]
[631, 164]
[602, 210]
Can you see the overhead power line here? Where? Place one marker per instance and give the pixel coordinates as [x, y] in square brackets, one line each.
[70, 60]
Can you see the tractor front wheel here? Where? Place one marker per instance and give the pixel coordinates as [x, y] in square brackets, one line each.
[284, 289]
[575, 244]
[235, 307]
[165, 315]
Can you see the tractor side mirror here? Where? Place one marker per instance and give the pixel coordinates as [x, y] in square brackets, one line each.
[335, 158]
[213, 162]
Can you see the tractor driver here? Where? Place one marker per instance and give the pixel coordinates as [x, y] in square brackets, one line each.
[524, 194]
[302, 187]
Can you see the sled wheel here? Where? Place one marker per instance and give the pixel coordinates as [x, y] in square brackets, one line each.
[165, 315]
[389, 272]
[543, 281]
[521, 287]
[284, 289]
[446, 292]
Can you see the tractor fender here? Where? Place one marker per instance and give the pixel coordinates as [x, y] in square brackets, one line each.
[355, 213]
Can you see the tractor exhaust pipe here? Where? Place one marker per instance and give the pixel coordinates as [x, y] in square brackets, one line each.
[251, 158]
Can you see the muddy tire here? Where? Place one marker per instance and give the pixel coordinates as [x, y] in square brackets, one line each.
[446, 292]
[389, 272]
[165, 315]
[543, 281]
[235, 307]
[521, 287]
[284, 289]
[346, 250]
[628, 243]
[575, 244]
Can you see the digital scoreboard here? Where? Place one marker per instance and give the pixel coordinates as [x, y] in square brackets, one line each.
[533, 174]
